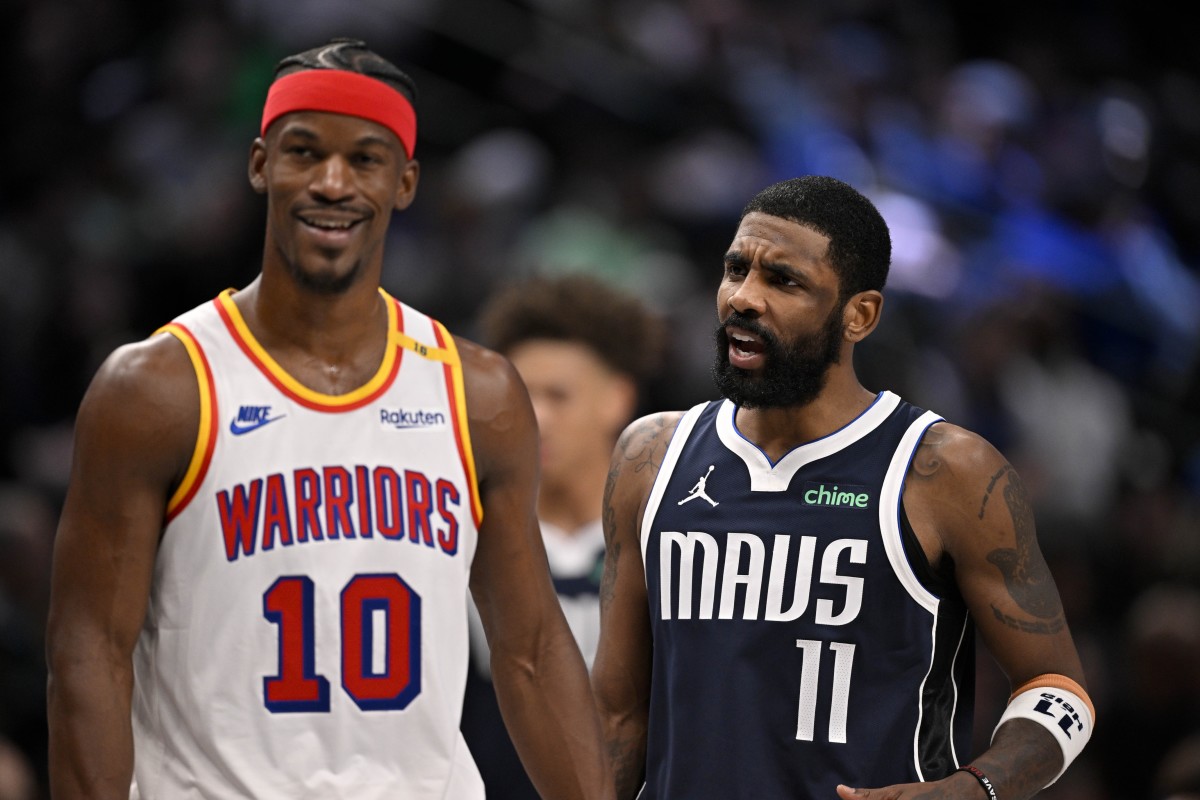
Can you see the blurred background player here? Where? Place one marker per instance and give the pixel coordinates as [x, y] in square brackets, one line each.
[586, 350]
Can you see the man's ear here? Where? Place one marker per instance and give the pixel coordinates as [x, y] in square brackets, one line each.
[861, 314]
[407, 190]
[258, 165]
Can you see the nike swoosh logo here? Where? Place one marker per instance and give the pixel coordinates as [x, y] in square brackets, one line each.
[238, 430]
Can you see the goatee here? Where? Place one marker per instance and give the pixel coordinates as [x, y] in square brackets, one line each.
[326, 283]
[792, 374]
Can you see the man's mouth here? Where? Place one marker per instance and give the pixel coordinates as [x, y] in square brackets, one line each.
[745, 349]
[745, 343]
[329, 224]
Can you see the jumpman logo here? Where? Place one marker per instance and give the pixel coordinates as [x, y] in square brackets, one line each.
[698, 489]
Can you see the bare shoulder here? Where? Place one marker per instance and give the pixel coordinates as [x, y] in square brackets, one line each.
[963, 490]
[499, 412]
[949, 453]
[643, 444]
[156, 370]
[491, 380]
[143, 402]
[636, 461]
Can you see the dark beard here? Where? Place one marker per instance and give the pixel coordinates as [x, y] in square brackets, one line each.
[793, 375]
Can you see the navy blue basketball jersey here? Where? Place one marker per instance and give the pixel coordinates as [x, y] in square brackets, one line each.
[795, 645]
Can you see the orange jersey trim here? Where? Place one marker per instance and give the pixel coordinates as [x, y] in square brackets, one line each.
[1054, 680]
[318, 401]
[458, 407]
[206, 435]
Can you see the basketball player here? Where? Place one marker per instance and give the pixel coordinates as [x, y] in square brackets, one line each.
[277, 504]
[810, 627]
[569, 339]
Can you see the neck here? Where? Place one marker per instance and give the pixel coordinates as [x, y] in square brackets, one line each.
[778, 431]
[330, 343]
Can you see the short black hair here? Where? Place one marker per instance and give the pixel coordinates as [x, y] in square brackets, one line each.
[351, 55]
[860, 247]
[621, 330]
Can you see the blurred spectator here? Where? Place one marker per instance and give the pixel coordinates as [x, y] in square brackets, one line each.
[585, 349]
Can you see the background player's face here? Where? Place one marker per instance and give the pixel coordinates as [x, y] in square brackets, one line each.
[781, 319]
[332, 182]
[581, 404]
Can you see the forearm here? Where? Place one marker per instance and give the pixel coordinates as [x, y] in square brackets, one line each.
[91, 737]
[625, 736]
[1022, 759]
[548, 710]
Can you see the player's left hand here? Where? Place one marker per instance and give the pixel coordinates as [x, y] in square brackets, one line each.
[950, 788]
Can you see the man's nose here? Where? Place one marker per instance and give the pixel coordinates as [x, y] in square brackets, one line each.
[332, 179]
[748, 297]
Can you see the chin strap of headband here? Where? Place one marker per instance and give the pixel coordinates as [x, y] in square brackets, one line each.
[341, 92]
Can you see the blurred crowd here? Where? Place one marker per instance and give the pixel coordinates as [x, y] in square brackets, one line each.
[1038, 163]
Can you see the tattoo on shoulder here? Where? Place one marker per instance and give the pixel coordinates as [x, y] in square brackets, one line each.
[927, 460]
[1026, 575]
[644, 444]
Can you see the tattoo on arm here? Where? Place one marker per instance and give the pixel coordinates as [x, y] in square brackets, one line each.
[1026, 575]
[1006, 469]
[643, 444]
[626, 764]
[608, 582]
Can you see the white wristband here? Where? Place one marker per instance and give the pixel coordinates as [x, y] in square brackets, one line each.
[1062, 712]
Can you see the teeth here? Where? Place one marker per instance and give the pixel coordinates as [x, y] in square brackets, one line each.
[327, 225]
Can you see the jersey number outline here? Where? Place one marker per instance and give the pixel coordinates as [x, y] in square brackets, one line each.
[810, 670]
[366, 597]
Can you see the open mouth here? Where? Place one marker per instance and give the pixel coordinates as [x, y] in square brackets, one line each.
[745, 344]
[746, 350]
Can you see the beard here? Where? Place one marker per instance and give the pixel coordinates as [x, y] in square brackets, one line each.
[793, 374]
[325, 283]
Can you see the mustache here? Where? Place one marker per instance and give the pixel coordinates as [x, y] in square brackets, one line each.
[738, 320]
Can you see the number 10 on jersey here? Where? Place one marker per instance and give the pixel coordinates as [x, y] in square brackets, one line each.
[377, 675]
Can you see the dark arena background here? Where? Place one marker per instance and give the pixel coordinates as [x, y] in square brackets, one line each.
[1038, 163]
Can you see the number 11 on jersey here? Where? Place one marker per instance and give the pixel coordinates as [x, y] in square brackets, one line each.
[810, 671]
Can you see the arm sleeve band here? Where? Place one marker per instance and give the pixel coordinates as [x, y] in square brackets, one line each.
[1061, 706]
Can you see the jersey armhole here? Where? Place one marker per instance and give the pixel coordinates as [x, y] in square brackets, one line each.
[206, 432]
[938, 583]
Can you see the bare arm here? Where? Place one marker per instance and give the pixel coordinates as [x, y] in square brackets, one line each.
[540, 677]
[967, 504]
[133, 437]
[621, 673]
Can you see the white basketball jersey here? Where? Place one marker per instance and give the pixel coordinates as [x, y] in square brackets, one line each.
[307, 627]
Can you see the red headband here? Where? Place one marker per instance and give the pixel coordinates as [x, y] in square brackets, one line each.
[341, 92]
